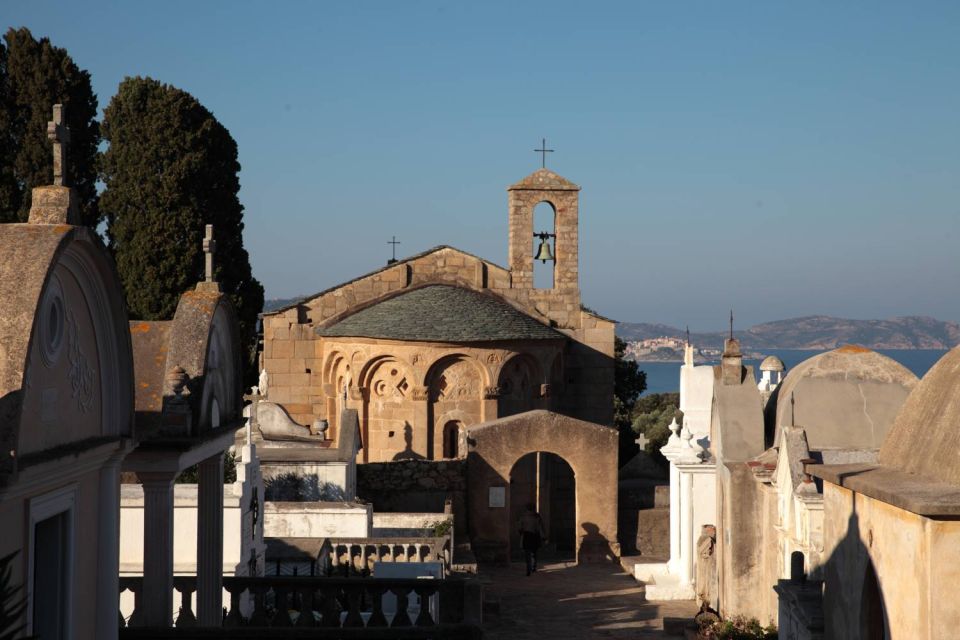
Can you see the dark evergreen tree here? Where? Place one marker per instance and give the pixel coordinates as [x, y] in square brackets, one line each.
[171, 168]
[35, 75]
[628, 383]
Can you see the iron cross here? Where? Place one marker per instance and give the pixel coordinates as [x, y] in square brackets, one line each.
[393, 241]
[59, 133]
[543, 151]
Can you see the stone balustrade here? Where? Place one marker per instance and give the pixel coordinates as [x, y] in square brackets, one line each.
[355, 607]
[358, 554]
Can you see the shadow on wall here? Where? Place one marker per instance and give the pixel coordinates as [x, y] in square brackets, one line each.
[408, 453]
[290, 487]
[595, 547]
[853, 602]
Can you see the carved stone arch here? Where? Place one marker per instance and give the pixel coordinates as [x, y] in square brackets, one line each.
[454, 383]
[442, 361]
[519, 381]
[330, 364]
[220, 402]
[389, 414]
[99, 284]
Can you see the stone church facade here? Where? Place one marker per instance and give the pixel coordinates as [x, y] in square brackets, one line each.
[443, 340]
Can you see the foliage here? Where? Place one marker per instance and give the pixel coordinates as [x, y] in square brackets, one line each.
[191, 475]
[652, 415]
[738, 628]
[35, 75]
[439, 528]
[629, 383]
[12, 601]
[171, 168]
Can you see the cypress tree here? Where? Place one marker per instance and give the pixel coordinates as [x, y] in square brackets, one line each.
[171, 168]
[35, 75]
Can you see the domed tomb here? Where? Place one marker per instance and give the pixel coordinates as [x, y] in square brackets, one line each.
[844, 399]
[924, 436]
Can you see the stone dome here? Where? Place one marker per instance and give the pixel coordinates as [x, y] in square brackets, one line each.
[926, 433]
[844, 399]
[772, 363]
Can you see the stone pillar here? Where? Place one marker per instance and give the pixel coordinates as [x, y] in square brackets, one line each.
[210, 542]
[686, 529]
[108, 549]
[424, 440]
[674, 518]
[157, 596]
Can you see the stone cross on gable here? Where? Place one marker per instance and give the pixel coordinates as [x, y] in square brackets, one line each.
[59, 133]
[641, 441]
[209, 248]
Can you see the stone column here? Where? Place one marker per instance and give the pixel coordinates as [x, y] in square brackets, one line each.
[674, 518]
[210, 542]
[686, 529]
[108, 549]
[157, 596]
[424, 441]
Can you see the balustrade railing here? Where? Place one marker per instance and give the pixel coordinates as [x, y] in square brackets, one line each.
[451, 607]
[359, 554]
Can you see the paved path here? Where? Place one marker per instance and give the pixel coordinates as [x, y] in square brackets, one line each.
[568, 601]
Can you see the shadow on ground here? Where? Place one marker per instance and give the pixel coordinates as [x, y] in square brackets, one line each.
[564, 600]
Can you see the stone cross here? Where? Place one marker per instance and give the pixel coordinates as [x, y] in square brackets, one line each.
[209, 248]
[641, 441]
[59, 133]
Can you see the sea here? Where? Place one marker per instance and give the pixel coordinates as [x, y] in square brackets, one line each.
[664, 377]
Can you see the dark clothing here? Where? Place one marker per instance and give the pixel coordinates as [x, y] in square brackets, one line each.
[531, 536]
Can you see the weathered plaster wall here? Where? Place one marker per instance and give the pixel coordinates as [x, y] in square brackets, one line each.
[590, 450]
[916, 561]
[317, 519]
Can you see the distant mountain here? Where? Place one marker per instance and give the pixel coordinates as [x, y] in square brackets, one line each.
[818, 332]
[279, 303]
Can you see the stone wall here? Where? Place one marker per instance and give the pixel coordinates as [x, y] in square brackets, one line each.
[412, 485]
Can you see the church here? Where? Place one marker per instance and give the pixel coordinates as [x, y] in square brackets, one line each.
[433, 344]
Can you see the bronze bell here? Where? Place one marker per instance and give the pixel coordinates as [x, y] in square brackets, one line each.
[544, 253]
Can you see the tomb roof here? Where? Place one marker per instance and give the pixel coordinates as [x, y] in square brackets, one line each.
[544, 180]
[772, 363]
[846, 398]
[924, 436]
[441, 313]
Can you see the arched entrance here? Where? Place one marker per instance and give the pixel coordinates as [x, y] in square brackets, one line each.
[546, 481]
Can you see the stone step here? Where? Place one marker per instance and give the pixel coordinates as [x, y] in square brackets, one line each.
[663, 586]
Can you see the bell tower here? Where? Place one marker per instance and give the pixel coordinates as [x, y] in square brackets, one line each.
[563, 196]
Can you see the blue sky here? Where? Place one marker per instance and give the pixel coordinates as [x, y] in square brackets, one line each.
[780, 160]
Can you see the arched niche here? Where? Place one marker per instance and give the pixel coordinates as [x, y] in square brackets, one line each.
[389, 413]
[519, 382]
[454, 387]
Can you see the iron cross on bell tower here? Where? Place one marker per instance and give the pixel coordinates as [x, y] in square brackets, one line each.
[59, 133]
[543, 151]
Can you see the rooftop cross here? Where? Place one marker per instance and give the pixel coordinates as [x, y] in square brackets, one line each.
[393, 241]
[209, 248]
[641, 441]
[543, 151]
[59, 133]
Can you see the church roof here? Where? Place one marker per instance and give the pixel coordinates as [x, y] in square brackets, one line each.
[441, 313]
[400, 261]
[544, 179]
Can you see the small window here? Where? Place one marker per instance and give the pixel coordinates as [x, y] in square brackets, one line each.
[451, 439]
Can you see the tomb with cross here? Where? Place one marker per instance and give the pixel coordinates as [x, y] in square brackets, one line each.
[209, 248]
[56, 203]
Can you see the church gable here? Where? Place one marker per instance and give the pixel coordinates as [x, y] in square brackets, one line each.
[440, 265]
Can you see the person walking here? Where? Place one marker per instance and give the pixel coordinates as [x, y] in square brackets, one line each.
[531, 536]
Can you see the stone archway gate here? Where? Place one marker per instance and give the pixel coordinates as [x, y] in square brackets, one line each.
[591, 451]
